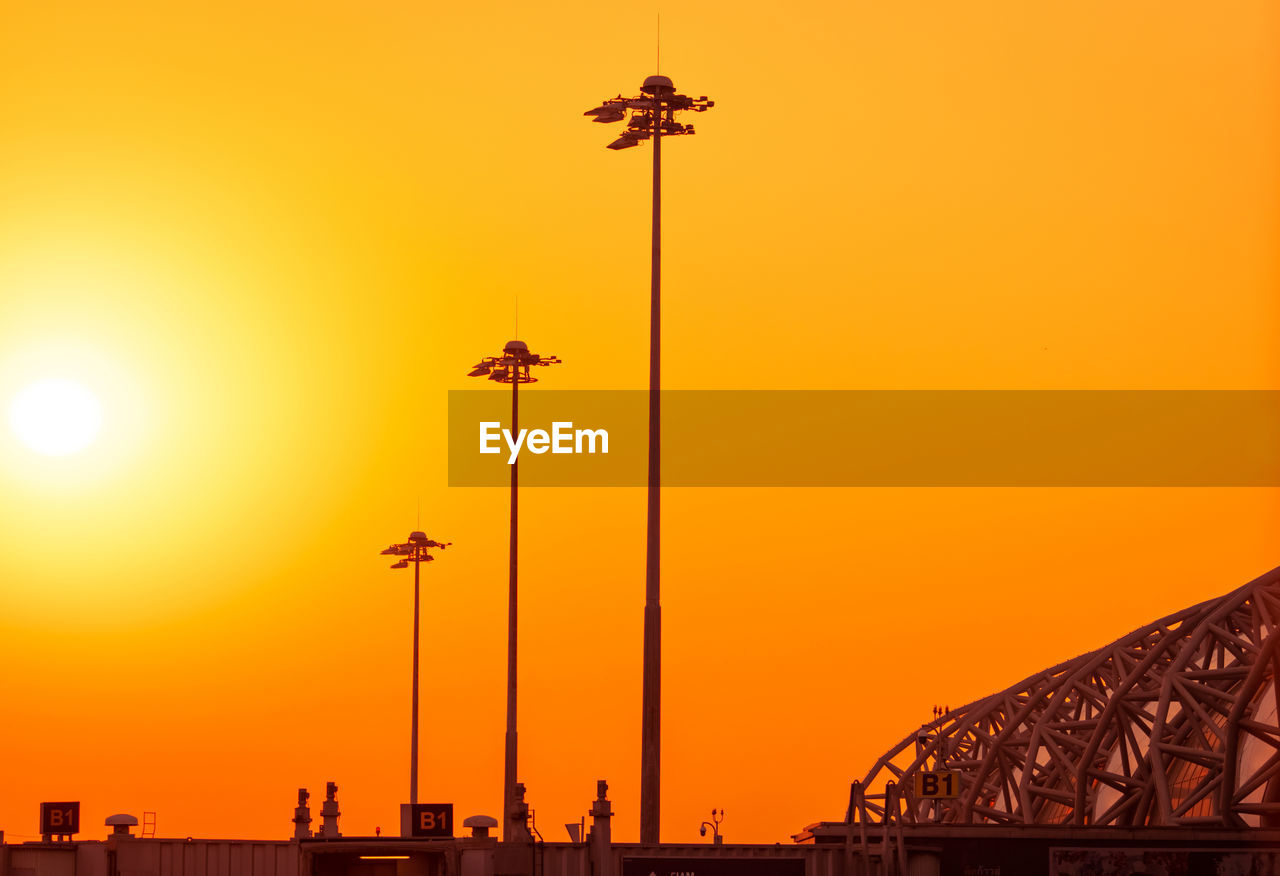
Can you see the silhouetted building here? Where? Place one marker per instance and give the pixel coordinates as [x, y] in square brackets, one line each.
[1173, 724]
[1159, 753]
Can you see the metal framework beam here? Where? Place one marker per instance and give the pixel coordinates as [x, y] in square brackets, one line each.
[1175, 723]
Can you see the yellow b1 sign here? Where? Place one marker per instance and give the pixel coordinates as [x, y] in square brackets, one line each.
[938, 784]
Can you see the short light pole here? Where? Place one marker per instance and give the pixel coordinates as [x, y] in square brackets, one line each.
[652, 116]
[512, 367]
[415, 551]
[716, 819]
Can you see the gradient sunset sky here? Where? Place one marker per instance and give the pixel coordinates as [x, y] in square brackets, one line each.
[271, 237]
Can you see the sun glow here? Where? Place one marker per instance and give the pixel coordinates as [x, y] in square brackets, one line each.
[56, 416]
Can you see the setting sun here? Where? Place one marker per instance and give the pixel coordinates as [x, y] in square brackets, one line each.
[56, 416]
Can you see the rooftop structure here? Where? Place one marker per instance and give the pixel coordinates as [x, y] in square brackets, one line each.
[1174, 724]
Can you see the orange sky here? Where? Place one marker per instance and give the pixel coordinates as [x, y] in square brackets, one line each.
[272, 237]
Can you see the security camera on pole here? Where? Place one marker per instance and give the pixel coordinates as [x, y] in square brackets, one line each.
[652, 117]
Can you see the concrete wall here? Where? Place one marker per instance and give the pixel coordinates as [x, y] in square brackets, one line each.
[164, 857]
[54, 859]
[151, 857]
[132, 856]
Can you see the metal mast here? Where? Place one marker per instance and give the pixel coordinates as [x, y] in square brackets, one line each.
[512, 367]
[652, 115]
[415, 551]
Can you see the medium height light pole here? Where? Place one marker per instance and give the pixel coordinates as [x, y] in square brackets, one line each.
[415, 551]
[511, 367]
[652, 116]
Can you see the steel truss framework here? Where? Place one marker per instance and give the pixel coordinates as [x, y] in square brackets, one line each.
[1175, 723]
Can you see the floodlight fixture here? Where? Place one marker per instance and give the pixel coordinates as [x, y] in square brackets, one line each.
[513, 365]
[607, 113]
[653, 112]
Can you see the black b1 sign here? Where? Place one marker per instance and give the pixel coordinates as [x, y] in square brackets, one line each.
[427, 819]
[59, 819]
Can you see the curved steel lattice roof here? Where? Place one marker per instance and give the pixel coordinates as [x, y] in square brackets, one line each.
[1174, 723]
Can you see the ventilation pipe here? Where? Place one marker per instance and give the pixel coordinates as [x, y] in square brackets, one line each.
[329, 812]
[601, 833]
[302, 816]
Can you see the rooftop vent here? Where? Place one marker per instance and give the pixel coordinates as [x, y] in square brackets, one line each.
[121, 823]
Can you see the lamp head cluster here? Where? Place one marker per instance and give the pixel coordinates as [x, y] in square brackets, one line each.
[415, 550]
[640, 113]
[513, 365]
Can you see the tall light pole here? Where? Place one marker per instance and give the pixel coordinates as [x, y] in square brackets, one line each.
[512, 367]
[415, 551]
[652, 116]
